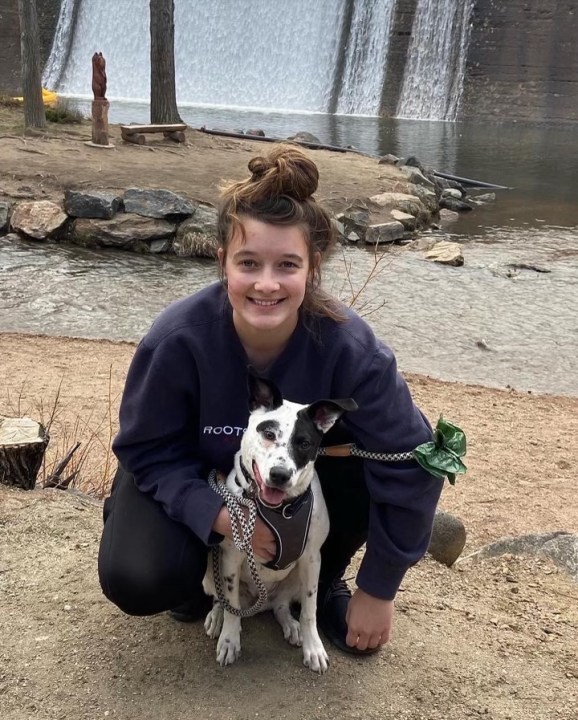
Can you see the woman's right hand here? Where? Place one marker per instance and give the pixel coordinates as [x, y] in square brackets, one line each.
[263, 541]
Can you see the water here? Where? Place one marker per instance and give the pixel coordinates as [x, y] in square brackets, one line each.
[484, 323]
[434, 74]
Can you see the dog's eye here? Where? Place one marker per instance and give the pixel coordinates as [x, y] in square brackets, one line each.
[269, 435]
[305, 444]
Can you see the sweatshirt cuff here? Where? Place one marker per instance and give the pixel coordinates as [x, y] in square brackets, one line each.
[200, 512]
[377, 578]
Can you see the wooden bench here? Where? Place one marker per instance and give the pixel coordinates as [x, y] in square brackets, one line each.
[136, 133]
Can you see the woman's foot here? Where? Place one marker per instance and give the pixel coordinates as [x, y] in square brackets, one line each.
[332, 603]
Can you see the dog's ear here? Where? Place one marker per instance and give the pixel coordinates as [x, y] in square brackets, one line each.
[325, 413]
[263, 393]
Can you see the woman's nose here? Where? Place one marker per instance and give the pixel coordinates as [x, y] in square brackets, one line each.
[267, 281]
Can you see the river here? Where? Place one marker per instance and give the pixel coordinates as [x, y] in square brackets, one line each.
[488, 322]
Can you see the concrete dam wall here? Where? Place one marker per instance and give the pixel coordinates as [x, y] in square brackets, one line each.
[521, 58]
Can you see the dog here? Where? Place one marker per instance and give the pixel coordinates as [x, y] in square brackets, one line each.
[275, 467]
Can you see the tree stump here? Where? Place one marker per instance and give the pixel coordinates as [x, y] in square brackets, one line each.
[100, 121]
[22, 446]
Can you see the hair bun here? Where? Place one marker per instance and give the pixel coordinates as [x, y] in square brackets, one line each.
[285, 171]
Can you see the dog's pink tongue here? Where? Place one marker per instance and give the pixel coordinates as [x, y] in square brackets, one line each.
[272, 496]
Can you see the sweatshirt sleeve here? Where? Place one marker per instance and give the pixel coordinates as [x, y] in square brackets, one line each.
[403, 496]
[157, 441]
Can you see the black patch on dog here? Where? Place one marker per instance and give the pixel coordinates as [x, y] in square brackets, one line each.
[268, 426]
[263, 393]
[304, 441]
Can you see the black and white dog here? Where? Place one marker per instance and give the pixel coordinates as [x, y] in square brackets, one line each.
[275, 466]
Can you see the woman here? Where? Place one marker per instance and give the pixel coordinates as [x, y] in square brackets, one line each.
[185, 407]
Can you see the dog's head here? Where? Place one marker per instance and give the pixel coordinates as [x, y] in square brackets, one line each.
[282, 438]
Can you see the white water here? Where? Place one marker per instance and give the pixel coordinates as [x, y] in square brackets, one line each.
[434, 73]
[246, 53]
[366, 57]
[60, 45]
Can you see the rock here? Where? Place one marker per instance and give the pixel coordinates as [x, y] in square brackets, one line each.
[451, 193]
[560, 547]
[446, 253]
[4, 215]
[93, 204]
[256, 132]
[448, 538]
[157, 204]
[384, 233]
[528, 266]
[388, 160]
[404, 202]
[11, 237]
[125, 231]
[197, 236]
[38, 219]
[447, 217]
[483, 199]
[412, 161]
[428, 197]
[305, 137]
[355, 220]
[416, 177]
[408, 221]
[456, 205]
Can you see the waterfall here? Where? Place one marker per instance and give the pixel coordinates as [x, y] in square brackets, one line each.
[61, 44]
[434, 73]
[269, 54]
[365, 57]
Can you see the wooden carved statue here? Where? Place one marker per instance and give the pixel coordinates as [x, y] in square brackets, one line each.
[98, 76]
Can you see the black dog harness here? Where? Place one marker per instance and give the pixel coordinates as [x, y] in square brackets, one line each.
[289, 522]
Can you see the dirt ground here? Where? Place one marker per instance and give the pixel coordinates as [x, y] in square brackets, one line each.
[493, 639]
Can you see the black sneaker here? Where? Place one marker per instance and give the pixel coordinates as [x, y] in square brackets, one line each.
[332, 602]
[193, 610]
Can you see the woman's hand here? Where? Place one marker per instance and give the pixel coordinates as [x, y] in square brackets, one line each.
[263, 541]
[369, 620]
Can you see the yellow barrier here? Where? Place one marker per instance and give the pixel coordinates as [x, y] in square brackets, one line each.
[49, 98]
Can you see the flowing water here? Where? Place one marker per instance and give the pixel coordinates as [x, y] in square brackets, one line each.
[490, 321]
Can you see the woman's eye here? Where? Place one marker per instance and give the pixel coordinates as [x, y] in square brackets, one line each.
[287, 264]
[268, 435]
[248, 263]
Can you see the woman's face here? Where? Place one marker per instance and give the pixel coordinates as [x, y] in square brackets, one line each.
[267, 274]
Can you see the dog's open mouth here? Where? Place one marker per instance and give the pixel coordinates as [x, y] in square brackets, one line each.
[269, 495]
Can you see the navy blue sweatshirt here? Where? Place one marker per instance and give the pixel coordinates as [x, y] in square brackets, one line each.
[185, 407]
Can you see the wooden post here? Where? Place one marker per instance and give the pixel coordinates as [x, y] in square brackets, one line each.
[22, 446]
[100, 121]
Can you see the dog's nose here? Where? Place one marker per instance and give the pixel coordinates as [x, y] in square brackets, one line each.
[279, 476]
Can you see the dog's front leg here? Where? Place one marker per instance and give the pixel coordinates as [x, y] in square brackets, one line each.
[229, 643]
[314, 655]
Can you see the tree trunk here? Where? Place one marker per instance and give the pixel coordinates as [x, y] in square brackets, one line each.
[163, 91]
[34, 113]
[22, 446]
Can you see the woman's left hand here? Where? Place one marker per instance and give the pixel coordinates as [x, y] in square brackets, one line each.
[369, 620]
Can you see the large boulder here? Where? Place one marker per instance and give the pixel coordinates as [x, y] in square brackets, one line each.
[446, 253]
[124, 231]
[157, 204]
[381, 233]
[448, 538]
[197, 236]
[39, 219]
[103, 204]
[403, 201]
[4, 215]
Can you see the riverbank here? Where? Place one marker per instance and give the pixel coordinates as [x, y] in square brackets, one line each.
[468, 642]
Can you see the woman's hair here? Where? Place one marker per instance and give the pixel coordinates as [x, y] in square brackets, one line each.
[280, 192]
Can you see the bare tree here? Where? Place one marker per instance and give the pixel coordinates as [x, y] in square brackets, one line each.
[163, 92]
[34, 113]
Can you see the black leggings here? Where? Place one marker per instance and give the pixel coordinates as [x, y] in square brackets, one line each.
[149, 563]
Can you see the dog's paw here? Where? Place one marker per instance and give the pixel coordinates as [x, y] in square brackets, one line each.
[228, 650]
[214, 621]
[315, 658]
[292, 631]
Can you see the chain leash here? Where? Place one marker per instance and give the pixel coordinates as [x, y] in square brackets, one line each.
[350, 449]
[243, 529]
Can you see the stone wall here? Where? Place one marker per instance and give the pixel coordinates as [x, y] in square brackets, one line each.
[523, 60]
[48, 11]
[398, 49]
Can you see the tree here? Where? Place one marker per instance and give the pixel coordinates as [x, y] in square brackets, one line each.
[163, 92]
[34, 113]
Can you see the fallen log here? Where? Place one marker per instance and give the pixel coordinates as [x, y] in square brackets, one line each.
[22, 446]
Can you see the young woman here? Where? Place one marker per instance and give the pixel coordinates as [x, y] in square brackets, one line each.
[185, 407]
